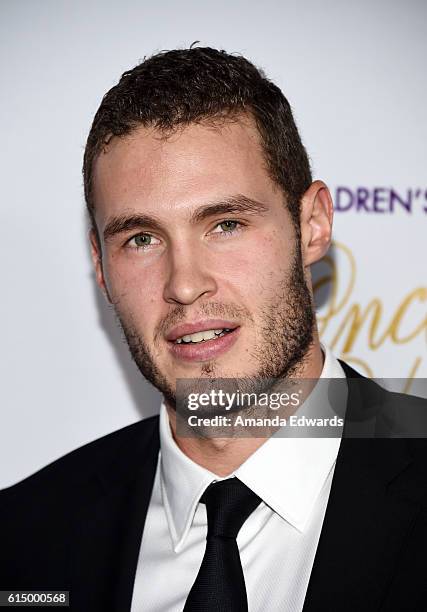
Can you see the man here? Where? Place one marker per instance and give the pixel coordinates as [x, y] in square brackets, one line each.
[205, 222]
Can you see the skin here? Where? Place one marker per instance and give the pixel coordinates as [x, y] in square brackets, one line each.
[190, 271]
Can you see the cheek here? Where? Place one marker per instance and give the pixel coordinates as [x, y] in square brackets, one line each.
[257, 268]
[131, 286]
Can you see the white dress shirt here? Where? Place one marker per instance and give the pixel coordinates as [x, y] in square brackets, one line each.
[278, 541]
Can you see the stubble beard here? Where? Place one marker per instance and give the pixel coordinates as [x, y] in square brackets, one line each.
[286, 334]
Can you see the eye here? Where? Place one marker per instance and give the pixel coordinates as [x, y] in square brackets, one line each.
[229, 226]
[142, 241]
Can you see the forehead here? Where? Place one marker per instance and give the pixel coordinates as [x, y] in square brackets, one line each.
[169, 174]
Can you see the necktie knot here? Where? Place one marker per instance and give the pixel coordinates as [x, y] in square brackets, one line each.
[228, 504]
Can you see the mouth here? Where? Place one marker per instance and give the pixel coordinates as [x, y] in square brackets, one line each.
[203, 336]
[203, 341]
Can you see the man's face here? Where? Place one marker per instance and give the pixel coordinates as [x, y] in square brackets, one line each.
[196, 239]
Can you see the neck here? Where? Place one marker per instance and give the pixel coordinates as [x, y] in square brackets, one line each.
[223, 456]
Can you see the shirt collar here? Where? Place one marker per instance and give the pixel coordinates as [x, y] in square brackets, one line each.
[182, 483]
[287, 473]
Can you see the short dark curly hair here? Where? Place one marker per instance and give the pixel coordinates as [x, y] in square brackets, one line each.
[182, 86]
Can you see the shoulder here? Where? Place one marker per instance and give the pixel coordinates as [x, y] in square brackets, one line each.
[396, 414]
[81, 464]
[41, 516]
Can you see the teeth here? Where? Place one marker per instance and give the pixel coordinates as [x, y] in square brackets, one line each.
[209, 334]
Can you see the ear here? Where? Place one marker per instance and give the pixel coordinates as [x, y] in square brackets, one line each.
[95, 249]
[316, 222]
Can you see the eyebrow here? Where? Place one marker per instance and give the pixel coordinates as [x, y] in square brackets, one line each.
[228, 206]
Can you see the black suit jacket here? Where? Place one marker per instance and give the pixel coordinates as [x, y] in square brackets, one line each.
[77, 524]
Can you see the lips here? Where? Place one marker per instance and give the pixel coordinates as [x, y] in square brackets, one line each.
[205, 350]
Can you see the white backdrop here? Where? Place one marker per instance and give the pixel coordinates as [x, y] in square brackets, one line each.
[355, 73]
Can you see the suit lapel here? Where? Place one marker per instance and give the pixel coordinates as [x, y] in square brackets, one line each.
[366, 519]
[106, 533]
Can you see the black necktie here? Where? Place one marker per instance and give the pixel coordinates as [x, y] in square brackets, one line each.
[220, 584]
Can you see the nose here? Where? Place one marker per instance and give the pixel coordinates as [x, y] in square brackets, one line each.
[188, 276]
